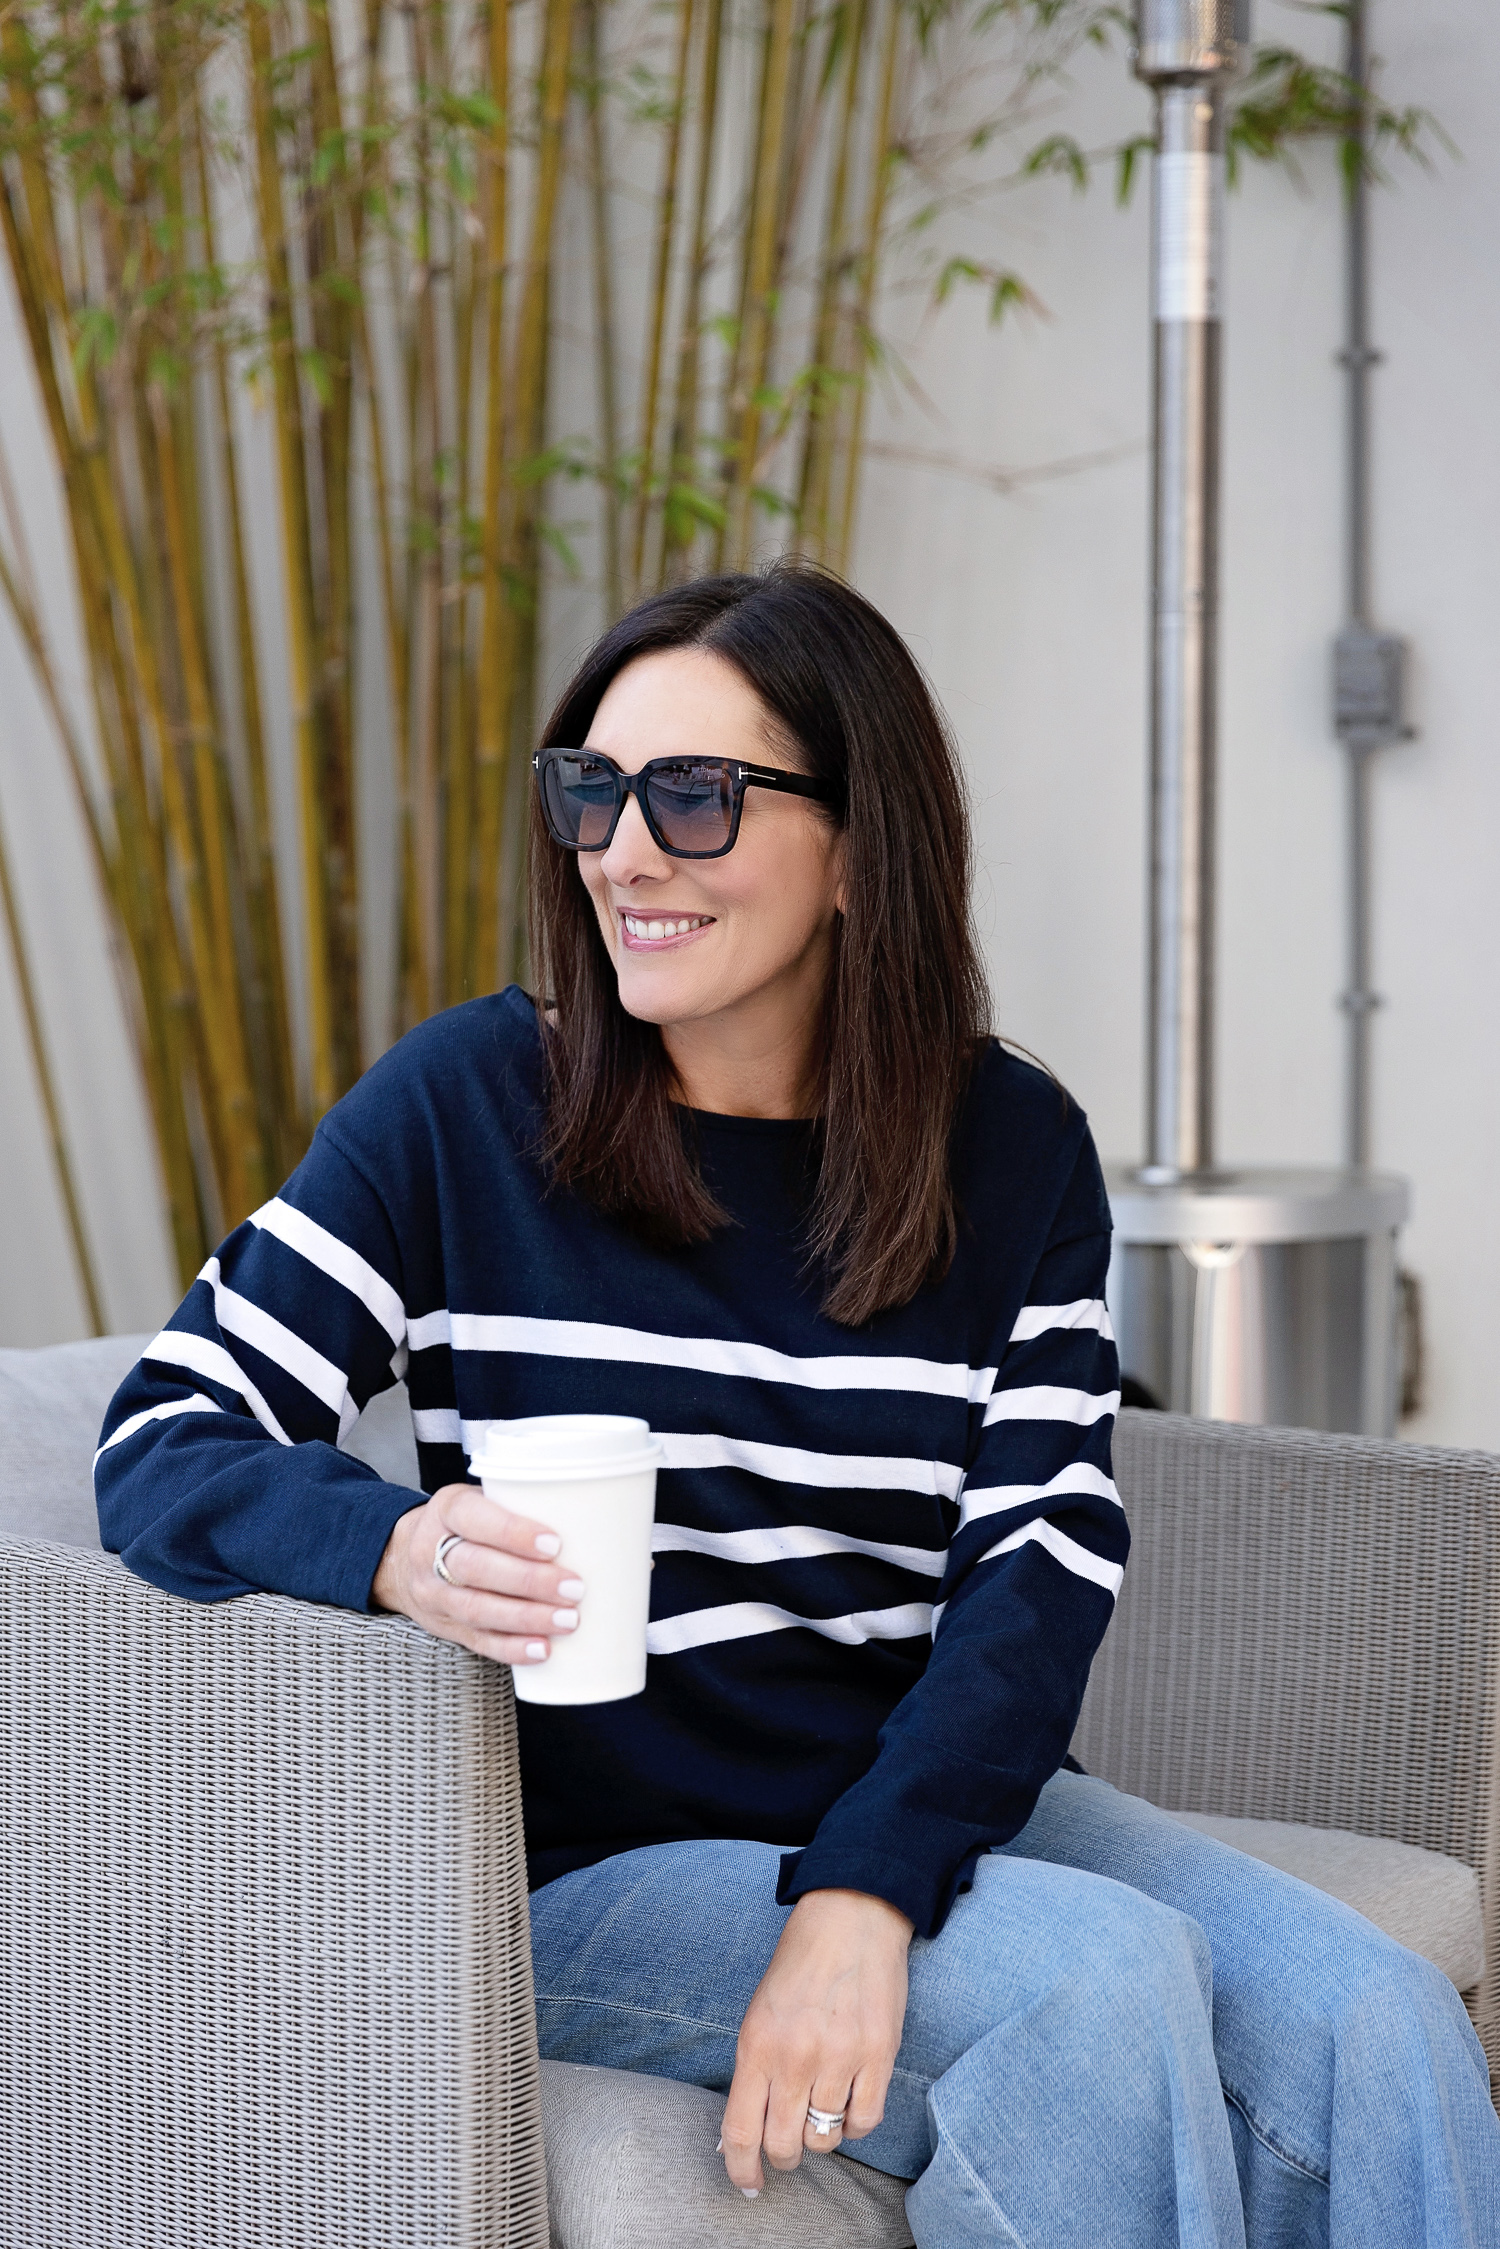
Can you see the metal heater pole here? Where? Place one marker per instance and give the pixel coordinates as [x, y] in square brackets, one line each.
[1186, 50]
[1246, 1294]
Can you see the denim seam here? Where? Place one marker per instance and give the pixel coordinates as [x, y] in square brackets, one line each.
[983, 2192]
[1269, 2142]
[625, 2007]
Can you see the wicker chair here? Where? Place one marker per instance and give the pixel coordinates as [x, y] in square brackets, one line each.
[261, 1878]
[1309, 1631]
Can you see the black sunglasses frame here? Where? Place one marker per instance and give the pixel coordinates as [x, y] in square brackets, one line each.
[742, 777]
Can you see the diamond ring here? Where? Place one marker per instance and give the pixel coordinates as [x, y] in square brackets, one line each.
[826, 2120]
[440, 1558]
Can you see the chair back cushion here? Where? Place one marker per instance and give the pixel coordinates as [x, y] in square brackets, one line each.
[51, 1404]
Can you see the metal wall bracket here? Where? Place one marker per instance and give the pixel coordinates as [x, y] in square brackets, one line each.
[1369, 688]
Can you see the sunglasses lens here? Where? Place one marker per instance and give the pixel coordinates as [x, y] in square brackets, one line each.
[692, 803]
[579, 797]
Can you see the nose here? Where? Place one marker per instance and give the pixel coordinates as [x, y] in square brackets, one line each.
[633, 855]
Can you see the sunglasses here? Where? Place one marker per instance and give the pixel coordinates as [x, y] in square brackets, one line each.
[691, 805]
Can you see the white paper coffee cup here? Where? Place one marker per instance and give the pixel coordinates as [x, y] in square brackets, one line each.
[591, 1477]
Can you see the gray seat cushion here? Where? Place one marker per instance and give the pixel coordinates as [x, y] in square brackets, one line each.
[1423, 1900]
[51, 1404]
[383, 1438]
[631, 2164]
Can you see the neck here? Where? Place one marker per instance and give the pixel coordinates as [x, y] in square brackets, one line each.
[752, 1062]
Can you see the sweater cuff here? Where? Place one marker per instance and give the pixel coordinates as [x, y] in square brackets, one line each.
[924, 1894]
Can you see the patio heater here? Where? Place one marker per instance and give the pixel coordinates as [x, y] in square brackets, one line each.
[1249, 1295]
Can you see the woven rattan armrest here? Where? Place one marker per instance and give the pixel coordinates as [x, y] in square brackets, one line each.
[262, 1892]
[1310, 1630]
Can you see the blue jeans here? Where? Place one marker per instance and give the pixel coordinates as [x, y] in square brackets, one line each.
[1125, 2036]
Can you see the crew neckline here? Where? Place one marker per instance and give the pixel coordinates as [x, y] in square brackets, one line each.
[711, 1120]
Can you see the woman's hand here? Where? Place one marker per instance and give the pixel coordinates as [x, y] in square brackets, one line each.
[822, 2031]
[508, 1597]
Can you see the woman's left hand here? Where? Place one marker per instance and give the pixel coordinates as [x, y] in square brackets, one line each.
[822, 2031]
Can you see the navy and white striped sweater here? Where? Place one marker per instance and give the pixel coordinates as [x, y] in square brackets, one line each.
[885, 1557]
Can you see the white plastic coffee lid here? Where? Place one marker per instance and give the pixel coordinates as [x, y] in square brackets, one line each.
[548, 1448]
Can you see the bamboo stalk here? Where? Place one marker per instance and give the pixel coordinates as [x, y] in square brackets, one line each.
[47, 1091]
[413, 992]
[683, 469]
[297, 568]
[458, 610]
[760, 266]
[529, 385]
[113, 866]
[817, 455]
[666, 219]
[106, 548]
[880, 175]
[492, 729]
[247, 1179]
[280, 1108]
[604, 333]
[329, 286]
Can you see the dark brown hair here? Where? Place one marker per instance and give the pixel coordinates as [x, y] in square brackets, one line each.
[906, 1005]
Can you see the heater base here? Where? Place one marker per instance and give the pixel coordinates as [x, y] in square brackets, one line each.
[1260, 1296]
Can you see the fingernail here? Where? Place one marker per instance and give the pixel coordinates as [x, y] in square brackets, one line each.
[719, 2150]
[565, 1620]
[749, 2193]
[547, 1542]
[571, 1589]
[536, 1651]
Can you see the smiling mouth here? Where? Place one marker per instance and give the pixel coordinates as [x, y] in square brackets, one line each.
[652, 930]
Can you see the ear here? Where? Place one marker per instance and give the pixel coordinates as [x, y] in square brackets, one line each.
[840, 876]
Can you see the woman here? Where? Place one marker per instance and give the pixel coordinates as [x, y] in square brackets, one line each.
[757, 1174]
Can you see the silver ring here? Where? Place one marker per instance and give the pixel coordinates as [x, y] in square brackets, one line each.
[440, 1558]
[826, 2120]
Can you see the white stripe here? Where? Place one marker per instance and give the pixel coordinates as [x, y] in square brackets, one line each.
[779, 1464]
[175, 1347]
[741, 1620]
[336, 1259]
[197, 1403]
[790, 1542]
[829, 1471]
[699, 1354]
[1063, 1549]
[1084, 1312]
[1043, 1401]
[1080, 1477]
[440, 1425]
[238, 1316]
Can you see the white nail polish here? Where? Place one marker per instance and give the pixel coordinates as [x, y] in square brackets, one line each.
[719, 2150]
[571, 1589]
[536, 1651]
[548, 1543]
[750, 2193]
[565, 1620]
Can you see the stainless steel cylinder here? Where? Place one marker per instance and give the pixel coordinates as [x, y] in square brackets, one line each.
[1262, 1296]
[1189, 38]
[1186, 49]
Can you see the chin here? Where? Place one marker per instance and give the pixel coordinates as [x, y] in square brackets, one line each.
[659, 995]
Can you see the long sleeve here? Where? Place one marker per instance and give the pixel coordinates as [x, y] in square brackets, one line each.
[218, 1471]
[1032, 1572]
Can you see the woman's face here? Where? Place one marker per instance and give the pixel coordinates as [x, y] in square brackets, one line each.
[759, 921]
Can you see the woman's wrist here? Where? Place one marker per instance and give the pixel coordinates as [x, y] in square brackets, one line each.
[388, 1586]
[856, 1908]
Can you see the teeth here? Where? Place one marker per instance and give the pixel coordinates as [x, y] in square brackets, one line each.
[654, 931]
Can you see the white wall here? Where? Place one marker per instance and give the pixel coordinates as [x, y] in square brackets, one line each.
[1026, 604]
